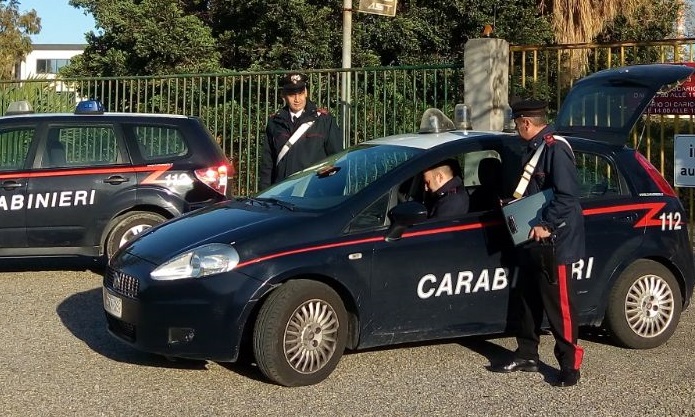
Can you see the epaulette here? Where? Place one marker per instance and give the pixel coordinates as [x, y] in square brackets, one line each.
[549, 139]
[321, 111]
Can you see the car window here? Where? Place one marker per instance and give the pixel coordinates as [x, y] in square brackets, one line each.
[472, 166]
[160, 142]
[372, 217]
[14, 147]
[339, 176]
[597, 177]
[73, 146]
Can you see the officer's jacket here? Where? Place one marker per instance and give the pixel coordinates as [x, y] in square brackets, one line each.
[556, 170]
[323, 138]
[450, 200]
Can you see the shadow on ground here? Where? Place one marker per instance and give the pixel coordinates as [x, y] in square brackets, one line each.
[83, 315]
[53, 264]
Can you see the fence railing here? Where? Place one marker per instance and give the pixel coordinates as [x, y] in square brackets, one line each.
[236, 106]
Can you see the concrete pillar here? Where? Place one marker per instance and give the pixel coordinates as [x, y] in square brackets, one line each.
[486, 82]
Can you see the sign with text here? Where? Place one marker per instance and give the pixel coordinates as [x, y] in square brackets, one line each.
[680, 100]
[684, 160]
[381, 7]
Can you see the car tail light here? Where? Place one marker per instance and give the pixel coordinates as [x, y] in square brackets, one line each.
[655, 175]
[214, 177]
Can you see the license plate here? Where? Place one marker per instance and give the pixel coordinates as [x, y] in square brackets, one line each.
[112, 304]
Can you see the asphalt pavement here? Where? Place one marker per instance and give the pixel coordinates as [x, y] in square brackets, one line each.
[56, 359]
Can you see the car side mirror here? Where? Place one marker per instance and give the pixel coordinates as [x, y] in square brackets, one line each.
[403, 216]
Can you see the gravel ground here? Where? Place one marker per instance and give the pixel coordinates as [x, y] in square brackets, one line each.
[56, 359]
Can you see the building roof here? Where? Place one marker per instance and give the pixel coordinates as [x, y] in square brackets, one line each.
[59, 46]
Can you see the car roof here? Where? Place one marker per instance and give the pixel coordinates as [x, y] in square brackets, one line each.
[430, 140]
[87, 116]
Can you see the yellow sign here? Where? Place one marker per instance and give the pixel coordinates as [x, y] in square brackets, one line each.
[381, 7]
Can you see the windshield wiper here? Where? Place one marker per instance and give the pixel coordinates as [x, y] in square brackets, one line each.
[258, 201]
[283, 204]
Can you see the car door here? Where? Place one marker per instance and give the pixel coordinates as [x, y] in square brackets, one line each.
[610, 218]
[15, 144]
[83, 177]
[444, 278]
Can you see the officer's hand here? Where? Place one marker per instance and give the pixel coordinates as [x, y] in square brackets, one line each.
[538, 233]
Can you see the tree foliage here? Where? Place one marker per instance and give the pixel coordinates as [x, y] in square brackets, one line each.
[144, 37]
[15, 29]
[151, 37]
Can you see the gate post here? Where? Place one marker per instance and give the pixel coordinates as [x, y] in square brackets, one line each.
[486, 82]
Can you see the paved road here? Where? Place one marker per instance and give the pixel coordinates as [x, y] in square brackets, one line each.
[56, 359]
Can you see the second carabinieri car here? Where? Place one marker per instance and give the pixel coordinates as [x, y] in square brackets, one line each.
[342, 254]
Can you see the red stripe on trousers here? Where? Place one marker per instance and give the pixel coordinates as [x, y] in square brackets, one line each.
[566, 315]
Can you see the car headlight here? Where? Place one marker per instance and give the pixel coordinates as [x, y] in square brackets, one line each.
[199, 262]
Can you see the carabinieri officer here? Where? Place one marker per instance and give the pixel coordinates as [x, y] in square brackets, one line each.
[298, 135]
[557, 242]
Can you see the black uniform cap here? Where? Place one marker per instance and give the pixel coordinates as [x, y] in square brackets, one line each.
[529, 108]
[294, 82]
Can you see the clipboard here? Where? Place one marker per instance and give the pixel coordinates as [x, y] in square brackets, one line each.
[522, 214]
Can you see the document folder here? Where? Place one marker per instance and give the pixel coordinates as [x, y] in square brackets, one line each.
[522, 214]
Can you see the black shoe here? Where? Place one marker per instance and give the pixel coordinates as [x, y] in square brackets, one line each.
[568, 378]
[526, 365]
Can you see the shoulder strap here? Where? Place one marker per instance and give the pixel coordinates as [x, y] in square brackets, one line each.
[531, 166]
[528, 171]
[293, 139]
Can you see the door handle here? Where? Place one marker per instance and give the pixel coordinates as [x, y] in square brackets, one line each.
[628, 218]
[10, 185]
[116, 179]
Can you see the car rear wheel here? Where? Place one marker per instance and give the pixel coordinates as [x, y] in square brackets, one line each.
[128, 226]
[644, 306]
[300, 333]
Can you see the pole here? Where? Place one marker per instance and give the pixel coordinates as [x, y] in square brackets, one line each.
[345, 75]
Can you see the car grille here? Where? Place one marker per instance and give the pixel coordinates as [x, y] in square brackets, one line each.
[120, 328]
[121, 283]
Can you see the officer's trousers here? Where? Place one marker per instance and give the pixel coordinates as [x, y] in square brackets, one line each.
[547, 289]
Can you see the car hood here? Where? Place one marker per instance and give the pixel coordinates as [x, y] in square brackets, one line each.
[606, 105]
[229, 222]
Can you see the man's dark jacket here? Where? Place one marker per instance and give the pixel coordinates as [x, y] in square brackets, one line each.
[322, 139]
[556, 170]
[450, 200]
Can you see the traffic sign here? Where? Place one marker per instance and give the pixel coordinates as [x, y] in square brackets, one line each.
[684, 160]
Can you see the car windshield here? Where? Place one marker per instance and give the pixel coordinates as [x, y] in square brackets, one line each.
[336, 178]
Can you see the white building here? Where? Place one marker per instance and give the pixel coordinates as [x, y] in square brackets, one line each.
[46, 59]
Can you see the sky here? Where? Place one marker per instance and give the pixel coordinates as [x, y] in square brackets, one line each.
[60, 22]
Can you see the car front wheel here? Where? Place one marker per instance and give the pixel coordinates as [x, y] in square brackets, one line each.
[644, 306]
[300, 333]
[128, 226]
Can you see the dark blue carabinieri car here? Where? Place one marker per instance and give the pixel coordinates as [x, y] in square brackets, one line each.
[342, 255]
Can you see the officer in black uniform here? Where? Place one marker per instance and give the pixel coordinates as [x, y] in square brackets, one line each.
[298, 135]
[545, 280]
[448, 197]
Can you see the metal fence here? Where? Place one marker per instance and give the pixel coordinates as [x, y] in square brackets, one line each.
[236, 106]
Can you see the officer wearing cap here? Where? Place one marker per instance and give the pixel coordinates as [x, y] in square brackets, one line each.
[545, 281]
[298, 135]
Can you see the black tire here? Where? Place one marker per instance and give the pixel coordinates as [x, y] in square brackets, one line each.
[127, 226]
[300, 333]
[644, 306]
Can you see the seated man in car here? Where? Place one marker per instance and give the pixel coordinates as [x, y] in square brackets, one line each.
[447, 195]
